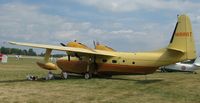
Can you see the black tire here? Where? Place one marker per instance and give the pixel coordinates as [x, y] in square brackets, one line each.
[87, 76]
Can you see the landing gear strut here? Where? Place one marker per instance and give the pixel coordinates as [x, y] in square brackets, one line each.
[88, 74]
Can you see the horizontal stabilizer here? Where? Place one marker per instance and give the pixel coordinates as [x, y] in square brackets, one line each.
[175, 49]
[197, 64]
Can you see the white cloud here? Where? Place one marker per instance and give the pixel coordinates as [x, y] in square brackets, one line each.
[122, 32]
[25, 22]
[133, 5]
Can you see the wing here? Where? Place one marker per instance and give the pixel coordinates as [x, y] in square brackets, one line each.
[68, 49]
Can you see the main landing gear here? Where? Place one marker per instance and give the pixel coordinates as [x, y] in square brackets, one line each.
[88, 75]
[64, 75]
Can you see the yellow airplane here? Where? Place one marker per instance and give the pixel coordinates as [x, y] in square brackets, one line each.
[105, 61]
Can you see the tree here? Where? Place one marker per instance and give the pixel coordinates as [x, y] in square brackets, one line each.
[4, 50]
[17, 51]
[31, 52]
[24, 52]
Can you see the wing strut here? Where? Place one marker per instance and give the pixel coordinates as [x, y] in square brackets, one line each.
[47, 55]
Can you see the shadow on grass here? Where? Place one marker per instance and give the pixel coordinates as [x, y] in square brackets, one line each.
[38, 80]
[57, 78]
[147, 81]
[13, 81]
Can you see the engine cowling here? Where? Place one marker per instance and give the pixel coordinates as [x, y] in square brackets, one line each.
[103, 47]
[76, 44]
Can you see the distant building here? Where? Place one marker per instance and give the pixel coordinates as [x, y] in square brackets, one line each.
[3, 58]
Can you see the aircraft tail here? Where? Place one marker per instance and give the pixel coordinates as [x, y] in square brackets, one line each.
[182, 39]
[197, 61]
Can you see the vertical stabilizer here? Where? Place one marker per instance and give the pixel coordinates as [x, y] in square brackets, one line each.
[182, 39]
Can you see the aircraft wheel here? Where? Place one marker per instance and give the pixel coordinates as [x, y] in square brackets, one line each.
[64, 75]
[87, 75]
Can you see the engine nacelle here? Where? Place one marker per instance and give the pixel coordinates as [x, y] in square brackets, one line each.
[103, 47]
[76, 44]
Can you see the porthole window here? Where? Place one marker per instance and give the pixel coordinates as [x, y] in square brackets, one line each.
[133, 62]
[114, 61]
[104, 60]
[123, 61]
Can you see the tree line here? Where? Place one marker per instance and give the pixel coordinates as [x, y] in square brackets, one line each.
[17, 51]
[29, 52]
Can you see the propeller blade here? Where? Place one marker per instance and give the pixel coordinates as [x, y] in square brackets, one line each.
[62, 44]
[94, 43]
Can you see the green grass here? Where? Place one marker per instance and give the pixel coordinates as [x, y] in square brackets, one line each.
[158, 88]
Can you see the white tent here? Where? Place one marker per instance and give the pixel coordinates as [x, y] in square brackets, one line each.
[4, 59]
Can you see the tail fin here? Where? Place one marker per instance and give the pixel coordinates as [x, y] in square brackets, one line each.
[197, 61]
[182, 39]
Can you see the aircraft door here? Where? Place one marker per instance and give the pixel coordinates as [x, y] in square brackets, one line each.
[93, 65]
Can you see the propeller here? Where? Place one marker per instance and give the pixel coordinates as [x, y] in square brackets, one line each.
[94, 43]
[62, 44]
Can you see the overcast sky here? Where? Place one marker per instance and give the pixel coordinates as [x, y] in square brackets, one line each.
[125, 25]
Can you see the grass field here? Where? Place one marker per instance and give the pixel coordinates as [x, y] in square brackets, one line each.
[158, 88]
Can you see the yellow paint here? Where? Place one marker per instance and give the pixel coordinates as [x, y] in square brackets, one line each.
[48, 66]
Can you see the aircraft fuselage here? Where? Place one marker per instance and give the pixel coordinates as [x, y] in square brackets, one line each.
[123, 63]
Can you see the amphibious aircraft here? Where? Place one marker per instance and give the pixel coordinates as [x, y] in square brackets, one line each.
[104, 61]
[185, 66]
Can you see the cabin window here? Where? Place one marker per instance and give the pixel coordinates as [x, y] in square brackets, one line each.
[114, 61]
[123, 61]
[133, 62]
[104, 60]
